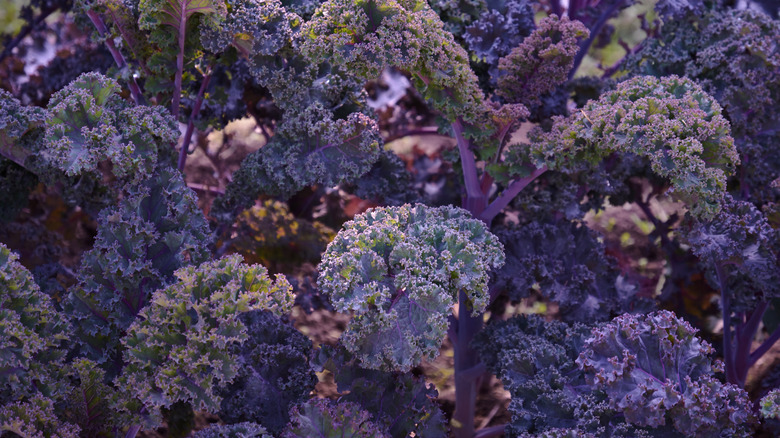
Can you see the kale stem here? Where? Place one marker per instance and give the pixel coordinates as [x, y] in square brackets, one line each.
[185, 145]
[468, 162]
[490, 432]
[133, 431]
[764, 347]
[509, 194]
[102, 30]
[728, 347]
[466, 359]
[594, 33]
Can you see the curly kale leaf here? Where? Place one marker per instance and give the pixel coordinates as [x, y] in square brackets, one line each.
[314, 149]
[670, 122]
[92, 131]
[32, 334]
[499, 29]
[182, 348]
[274, 373]
[327, 136]
[637, 376]
[327, 419]
[567, 264]
[239, 430]
[770, 405]
[656, 371]
[254, 28]
[155, 230]
[91, 401]
[35, 418]
[673, 8]
[17, 124]
[20, 134]
[402, 403]
[365, 36]
[387, 183]
[399, 270]
[741, 242]
[541, 62]
[735, 56]
[536, 362]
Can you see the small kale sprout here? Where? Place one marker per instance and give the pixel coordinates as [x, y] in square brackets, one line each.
[399, 270]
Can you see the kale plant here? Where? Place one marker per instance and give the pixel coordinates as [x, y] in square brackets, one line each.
[216, 169]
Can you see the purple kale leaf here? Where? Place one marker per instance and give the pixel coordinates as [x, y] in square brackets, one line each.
[744, 247]
[274, 373]
[404, 404]
[536, 362]
[656, 372]
[399, 270]
[185, 345]
[500, 29]
[33, 334]
[238, 430]
[567, 264]
[155, 230]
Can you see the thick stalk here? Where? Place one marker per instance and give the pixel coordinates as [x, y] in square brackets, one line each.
[728, 340]
[467, 366]
[469, 165]
[745, 335]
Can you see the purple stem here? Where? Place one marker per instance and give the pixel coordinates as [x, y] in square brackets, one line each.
[745, 339]
[728, 347]
[509, 194]
[594, 33]
[468, 161]
[764, 347]
[133, 431]
[490, 432]
[102, 30]
[175, 101]
[466, 359]
[14, 152]
[185, 145]
[555, 6]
